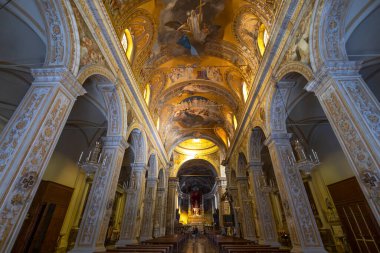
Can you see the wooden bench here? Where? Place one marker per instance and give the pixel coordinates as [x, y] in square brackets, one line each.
[142, 248]
[226, 247]
[263, 250]
[175, 240]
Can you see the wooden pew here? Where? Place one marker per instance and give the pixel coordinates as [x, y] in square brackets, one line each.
[264, 250]
[226, 247]
[175, 240]
[143, 248]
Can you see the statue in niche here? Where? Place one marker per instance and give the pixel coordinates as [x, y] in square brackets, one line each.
[132, 184]
[300, 50]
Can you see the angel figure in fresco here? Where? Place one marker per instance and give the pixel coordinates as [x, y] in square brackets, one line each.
[193, 25]
[194, 29]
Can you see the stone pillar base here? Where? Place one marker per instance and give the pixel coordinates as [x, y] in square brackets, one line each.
[271, 243]
[88, 250]
[145, 238]
[124, 242]
[308, 250]
[251, 238]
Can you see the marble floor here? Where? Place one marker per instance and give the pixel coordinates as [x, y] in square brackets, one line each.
[198, 245]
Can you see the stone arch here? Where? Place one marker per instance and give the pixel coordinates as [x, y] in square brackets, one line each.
[113, 97]
[255, 144]
[276, 111]
[241, 165]
[219, 143]
[297, 67]
[327, 33]
[153, 165]
[63, 48]
[276, 106]
[138, 143]
[161, 179]
[95, 69]
[232, 181]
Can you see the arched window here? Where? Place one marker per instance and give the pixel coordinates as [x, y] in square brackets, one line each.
[127, 43]
[158, 124]
[147, 94]
[245, 91]
[263, 38]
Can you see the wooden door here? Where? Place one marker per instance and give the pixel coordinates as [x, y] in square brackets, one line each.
[358, 222]
[40, 231]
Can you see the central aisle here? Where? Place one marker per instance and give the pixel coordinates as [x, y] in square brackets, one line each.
[199, 245]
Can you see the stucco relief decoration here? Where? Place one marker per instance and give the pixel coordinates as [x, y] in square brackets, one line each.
[55, 32]
[334, 31]
[95, 200]
[142, 28]
[299, 49]
[113, 110]
[264, 9]
[191, 72]
[235, 80]
[299, 199]
[367, 109]
[246, 28]
[278, 112]
[89, 50]
[11, 139]
[15, 201]
[355, 146]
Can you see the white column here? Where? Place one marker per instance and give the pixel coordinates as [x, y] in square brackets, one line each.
[27, 142]
[299, 216]
[98, 210]
[132, 213]
[266, 222]
[170, 211]
[149, 207]
[221, 190]
[246, 209]
[354, 114]
[159, 212]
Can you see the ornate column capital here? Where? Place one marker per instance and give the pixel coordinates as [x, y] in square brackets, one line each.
[241, 179]
[255, 165]
[152, 180]
[138, 166]
[115, 141]
[278, 138]
[61, 75]
[333, 69]
[173, 181]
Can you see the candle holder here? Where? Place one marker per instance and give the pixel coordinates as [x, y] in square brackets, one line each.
[305, 163]
[93, 161]
[265, 187]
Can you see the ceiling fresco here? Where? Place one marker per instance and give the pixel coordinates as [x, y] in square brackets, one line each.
[195, 59]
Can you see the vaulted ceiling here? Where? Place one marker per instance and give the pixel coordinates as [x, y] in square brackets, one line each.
[194, 60]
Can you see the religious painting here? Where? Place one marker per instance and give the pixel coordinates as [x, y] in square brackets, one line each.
[187, 25]
[197, 111]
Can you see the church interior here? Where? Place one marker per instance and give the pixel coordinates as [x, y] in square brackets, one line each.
[189, 126]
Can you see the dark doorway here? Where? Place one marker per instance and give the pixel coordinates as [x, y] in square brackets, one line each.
[40, 231]
[358, 222]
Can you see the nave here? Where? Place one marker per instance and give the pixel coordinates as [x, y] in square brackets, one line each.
[128, 122]
[210, 243]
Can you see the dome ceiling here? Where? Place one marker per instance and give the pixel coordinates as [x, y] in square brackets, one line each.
[194, 60]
